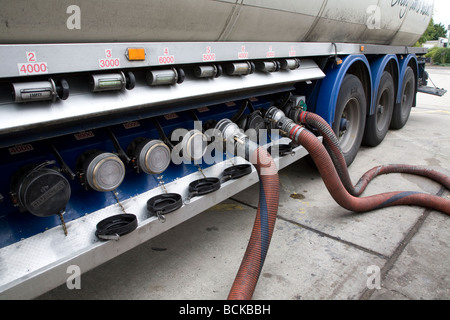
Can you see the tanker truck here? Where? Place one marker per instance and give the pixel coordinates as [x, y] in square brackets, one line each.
[107, 109]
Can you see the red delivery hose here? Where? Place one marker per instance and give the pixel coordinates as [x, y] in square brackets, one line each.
[334, 185]
[239, 144]
[254, 257]
[332, 142]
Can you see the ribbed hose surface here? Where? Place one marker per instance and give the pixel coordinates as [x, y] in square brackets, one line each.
[255, 255]
[256, 252]
[332, 142]
[337, 190]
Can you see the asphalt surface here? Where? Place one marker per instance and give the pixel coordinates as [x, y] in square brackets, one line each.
[319, 250]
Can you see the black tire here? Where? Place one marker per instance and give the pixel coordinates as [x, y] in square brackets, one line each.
[350, 117]
[402, 111]
[378, 124]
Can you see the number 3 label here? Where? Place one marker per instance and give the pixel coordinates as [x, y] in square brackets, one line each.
[109, 62]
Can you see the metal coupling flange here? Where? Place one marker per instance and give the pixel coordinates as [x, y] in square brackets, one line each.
[276, 119]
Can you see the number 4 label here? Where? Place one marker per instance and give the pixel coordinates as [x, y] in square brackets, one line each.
[166, 58]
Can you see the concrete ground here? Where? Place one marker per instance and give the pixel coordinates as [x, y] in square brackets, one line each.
[319, 250]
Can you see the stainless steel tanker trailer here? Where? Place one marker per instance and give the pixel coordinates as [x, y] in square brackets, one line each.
[105, 108]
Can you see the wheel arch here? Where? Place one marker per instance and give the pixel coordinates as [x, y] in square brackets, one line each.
[357, 65]
[388, 63]
[405, 62]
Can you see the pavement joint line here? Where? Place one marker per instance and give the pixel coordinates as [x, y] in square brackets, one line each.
[245, 204]
[367, 293]
[323, 234]
[335, 238]
[390, 260]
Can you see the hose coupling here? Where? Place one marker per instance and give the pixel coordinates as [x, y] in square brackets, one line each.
[234, 140]
[276, 119]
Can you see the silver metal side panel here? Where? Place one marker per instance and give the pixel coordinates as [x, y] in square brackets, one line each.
[369, 21]
[84, 105]
[38, 264]
[81, 57]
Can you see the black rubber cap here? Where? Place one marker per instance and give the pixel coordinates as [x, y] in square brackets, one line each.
[120, 225]
[204, 186]
[283, 149]
[131, 80]
[164, 203]
[44, 192]
[238, 171]
[62, 89]
[181, 75]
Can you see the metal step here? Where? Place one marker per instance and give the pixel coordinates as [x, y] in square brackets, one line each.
[432, 90]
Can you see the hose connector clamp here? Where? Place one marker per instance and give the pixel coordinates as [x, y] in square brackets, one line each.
[276, 119]
[234, 140]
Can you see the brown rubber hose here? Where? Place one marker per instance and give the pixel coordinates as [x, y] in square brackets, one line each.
[337, 190]
[332, 142]
[254, 257]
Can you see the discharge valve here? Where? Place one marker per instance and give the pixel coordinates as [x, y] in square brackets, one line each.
[40, 91]
[112, 82]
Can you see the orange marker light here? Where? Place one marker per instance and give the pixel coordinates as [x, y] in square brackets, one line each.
[362, 48]
[135, 54]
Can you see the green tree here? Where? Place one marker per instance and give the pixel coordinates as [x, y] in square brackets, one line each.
[441, 31]
[433, 32]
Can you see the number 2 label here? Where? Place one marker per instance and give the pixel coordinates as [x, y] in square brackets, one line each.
[32, 67]
[31, 56]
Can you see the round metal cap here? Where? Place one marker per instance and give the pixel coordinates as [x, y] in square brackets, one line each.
[154, 157]
[195, 144]
[105, 172]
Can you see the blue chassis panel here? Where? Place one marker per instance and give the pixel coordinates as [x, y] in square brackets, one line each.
[16, 225]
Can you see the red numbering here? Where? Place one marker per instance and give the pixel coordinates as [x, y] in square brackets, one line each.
[166, 59]
[31, 57]
[209, 57]
[109, 63]
[33, 68]
[83, 135]
[20, 149]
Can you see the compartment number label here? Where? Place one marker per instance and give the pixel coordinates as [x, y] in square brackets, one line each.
[32, 66]
[167, 58]
[109, 61]
[209, 55]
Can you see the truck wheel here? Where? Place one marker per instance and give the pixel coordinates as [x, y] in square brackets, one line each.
[350, 117]
[402, 111]
[377, 125]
